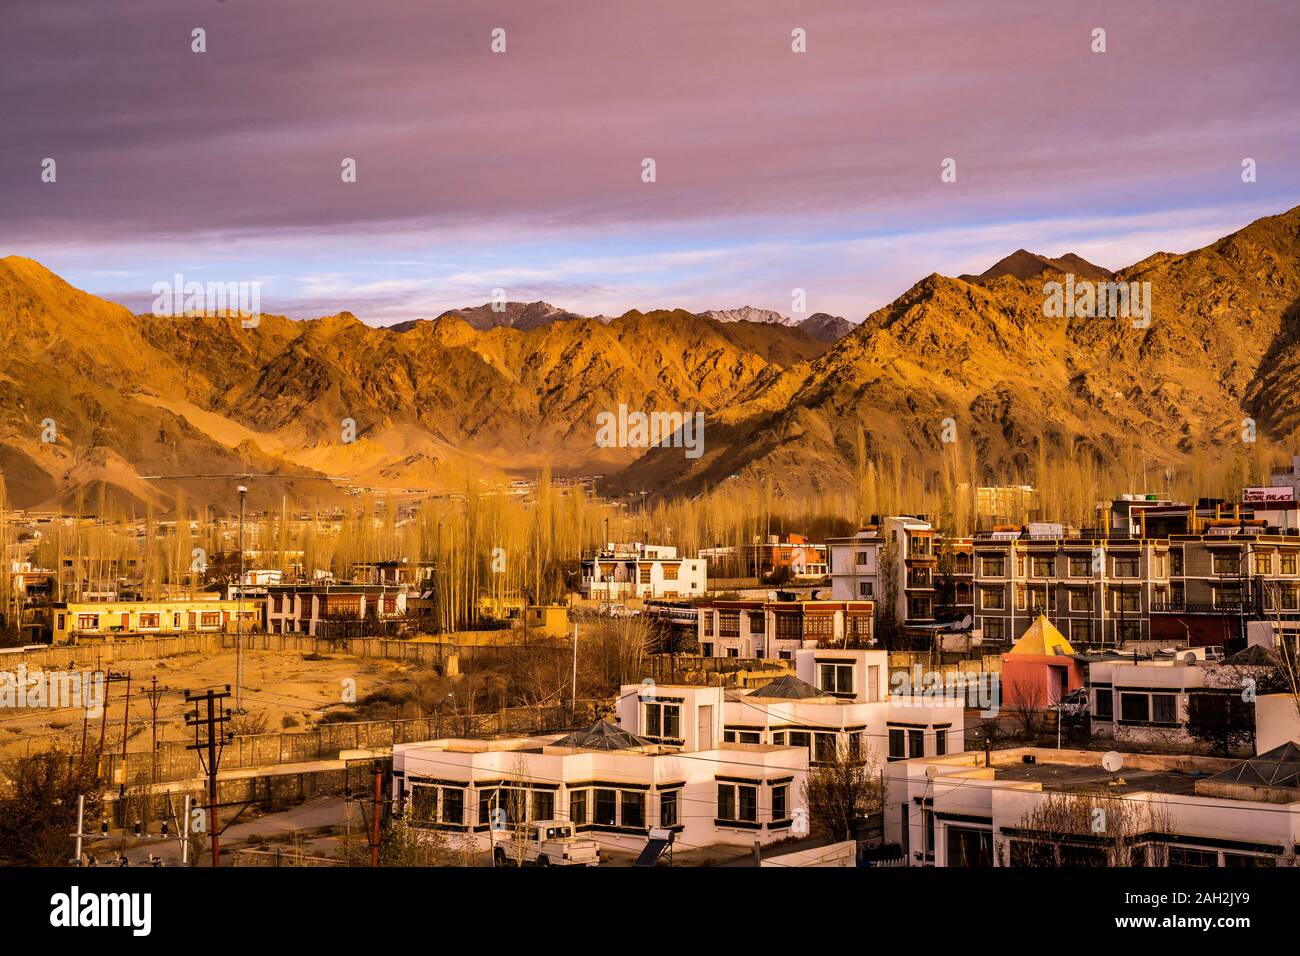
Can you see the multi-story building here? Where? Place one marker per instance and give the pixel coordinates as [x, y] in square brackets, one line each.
[321, 609]
[1038, 807]
[778, 629]
[891, 558]
[794, 556]
[1096, 590]
[76, 621]
[713, 766]
[638, 570]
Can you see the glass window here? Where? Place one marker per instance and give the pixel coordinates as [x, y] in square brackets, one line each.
[1134, 707]
[578, 806]
[1163, 710]
[668, 801]
[780, 802]
[895, 744]
[916, 743]
[748, 803]
[726, 801]
[1105, 707]
[606, 808]
[633, 808]
[940, 742]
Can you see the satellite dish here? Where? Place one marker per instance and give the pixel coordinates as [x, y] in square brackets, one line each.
[1112, 761]
[1189, 657]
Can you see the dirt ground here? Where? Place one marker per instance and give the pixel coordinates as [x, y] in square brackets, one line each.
[282, 692]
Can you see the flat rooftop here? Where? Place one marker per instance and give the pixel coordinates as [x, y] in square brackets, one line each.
[1076, 778]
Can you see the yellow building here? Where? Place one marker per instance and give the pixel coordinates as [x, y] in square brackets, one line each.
[104, 620]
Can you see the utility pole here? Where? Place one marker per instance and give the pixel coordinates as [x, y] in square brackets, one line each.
[126, 734]
[375, 810]
[214, 744]
[574, 716]
[239, 609]
[154, 693]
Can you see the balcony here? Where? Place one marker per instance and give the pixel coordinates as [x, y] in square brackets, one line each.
[1196, 607]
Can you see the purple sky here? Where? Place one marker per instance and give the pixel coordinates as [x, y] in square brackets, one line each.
[521, 170]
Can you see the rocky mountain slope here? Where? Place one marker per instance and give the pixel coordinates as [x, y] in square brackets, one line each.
[423, 405]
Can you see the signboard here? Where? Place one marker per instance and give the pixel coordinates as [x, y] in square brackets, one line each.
[1284, 494]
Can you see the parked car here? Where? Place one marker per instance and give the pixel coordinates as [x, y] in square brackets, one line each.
[546, 843]
[1073, 704]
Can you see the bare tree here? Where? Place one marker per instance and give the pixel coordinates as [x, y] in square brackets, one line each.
[1087, 829]
[843, 790]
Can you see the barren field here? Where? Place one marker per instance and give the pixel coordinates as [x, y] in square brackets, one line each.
[282, 692]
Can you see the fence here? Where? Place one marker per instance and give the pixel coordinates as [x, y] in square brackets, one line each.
[326, 741]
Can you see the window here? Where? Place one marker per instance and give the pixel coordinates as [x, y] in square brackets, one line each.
[1227, 562]
[1288, 562]
[1104, 708]
[709, 628]
[149, 620]
[993, 566]
[210, 619]
[748, 803]
[742, 736]
[865, 589]
[862, 558]
[668, 802]
[578, 806]
[824, 748]
[729, 623]
[1164, 709]
[1183, 857]
[1080, 600]
[895, 744]
[543, 805]
[1227, 597]
[994, 629]
[606, 808]
[453, 805]
[1128, 600]
[1080, 566]
[424, 803]
[670, 572]
[1042, 567]
[1135, 707]
[726, 801]
[1176, 561]
[940, 742]
[1125, 566]
[1264, 563]
[1128, 631]
[992, 600]
[789, 626]
[781, 802]
[756, 622]
[88, 622]
[968, 847]
[916, 743]
[644, 573]
[818, 626]
[1081, 632]
[835, 678]
[633, 808]
[663, 720]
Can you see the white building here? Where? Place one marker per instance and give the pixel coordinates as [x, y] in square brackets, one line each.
[713, 766]
[974, 809]
[1150, 701]
[858, 571]
[639, 570]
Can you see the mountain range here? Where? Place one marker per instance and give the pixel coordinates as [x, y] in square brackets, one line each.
[497, 394]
